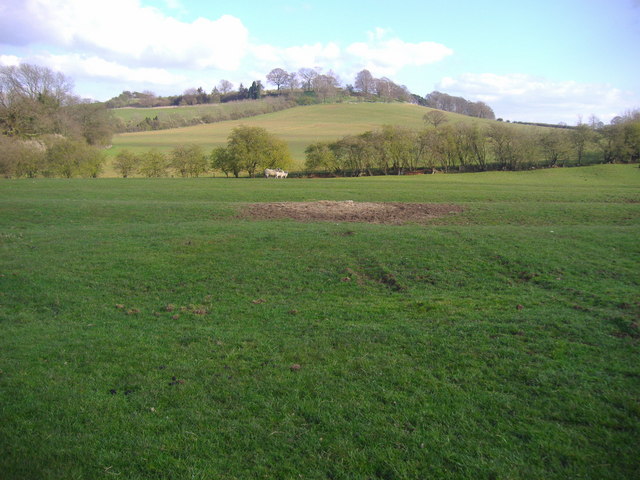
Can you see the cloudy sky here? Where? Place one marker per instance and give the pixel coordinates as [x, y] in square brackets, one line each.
[530, 60]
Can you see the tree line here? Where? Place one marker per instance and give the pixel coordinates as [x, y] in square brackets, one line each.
[222, 93]
[474, 147]
[449, 103]
[305, 86]
[300, 85]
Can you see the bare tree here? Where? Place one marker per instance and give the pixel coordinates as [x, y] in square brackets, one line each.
[595, 123]
[448, 103]
[365, 82]
[307, 75]
[389, 90]
[480, 110]
[32, 99]
[147, 99]
[325, 86]
[277, 77]
[225, 86]
[292, 81]
[383, 87]
[35, 82]
[435, 118]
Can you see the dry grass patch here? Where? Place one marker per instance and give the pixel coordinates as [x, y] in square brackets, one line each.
[394, 213]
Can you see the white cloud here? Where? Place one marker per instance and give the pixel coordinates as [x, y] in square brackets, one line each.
[296, 57]
[124, 42]
[78, 66]
[378, 33]
[92, 74]
[382, 55]
[174, 5]
[529, 98]
[386, 56]
[9, 60]
[124, 30]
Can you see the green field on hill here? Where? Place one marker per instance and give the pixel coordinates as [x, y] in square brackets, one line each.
[137, 114]
[150, 330]
[298, 126]
[205, 113]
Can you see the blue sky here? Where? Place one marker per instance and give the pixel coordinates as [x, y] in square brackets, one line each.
[544, 60]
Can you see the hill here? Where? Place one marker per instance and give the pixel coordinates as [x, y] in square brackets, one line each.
[298, 126]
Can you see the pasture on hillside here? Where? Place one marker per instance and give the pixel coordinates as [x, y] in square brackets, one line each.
[136, 119]
[298, 126]
[186, 112]
[151, 329]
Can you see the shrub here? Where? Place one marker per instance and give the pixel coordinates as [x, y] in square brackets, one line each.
[126, 163]
[20, 158]
[189, 160]
[69, 158]
[153, 164]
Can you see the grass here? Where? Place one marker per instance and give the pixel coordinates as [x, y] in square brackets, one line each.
[135, 115]
[209, 113]
[147, 332]
[299, 126]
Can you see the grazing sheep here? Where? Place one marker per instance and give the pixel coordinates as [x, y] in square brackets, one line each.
[275, 173]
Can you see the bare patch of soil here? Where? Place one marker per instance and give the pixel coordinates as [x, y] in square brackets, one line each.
[393, 213]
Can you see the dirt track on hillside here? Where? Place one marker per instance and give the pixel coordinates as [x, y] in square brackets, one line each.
[393, 213]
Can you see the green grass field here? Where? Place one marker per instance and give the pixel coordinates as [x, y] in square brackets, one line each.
[190, 112]
[149, 332]
[132, 114]
[298, 126]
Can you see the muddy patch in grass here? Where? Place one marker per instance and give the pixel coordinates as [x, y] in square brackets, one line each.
[393, 213]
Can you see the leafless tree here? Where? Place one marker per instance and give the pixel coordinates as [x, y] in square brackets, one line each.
[34, 82]
[31, 98]
[307, 75]
[277, 77]
[365, 82]
[435, 118]
[385, 88]
[225, 86]
[325, 85]
[292, 81]
[448, 103]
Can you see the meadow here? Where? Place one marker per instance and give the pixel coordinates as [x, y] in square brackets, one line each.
[134, 119]
[150, 330]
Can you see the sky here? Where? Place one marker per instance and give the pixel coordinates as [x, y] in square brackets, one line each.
[530, 60]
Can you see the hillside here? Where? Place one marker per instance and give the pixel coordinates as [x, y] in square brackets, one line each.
[299, 126]
[135, 119]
